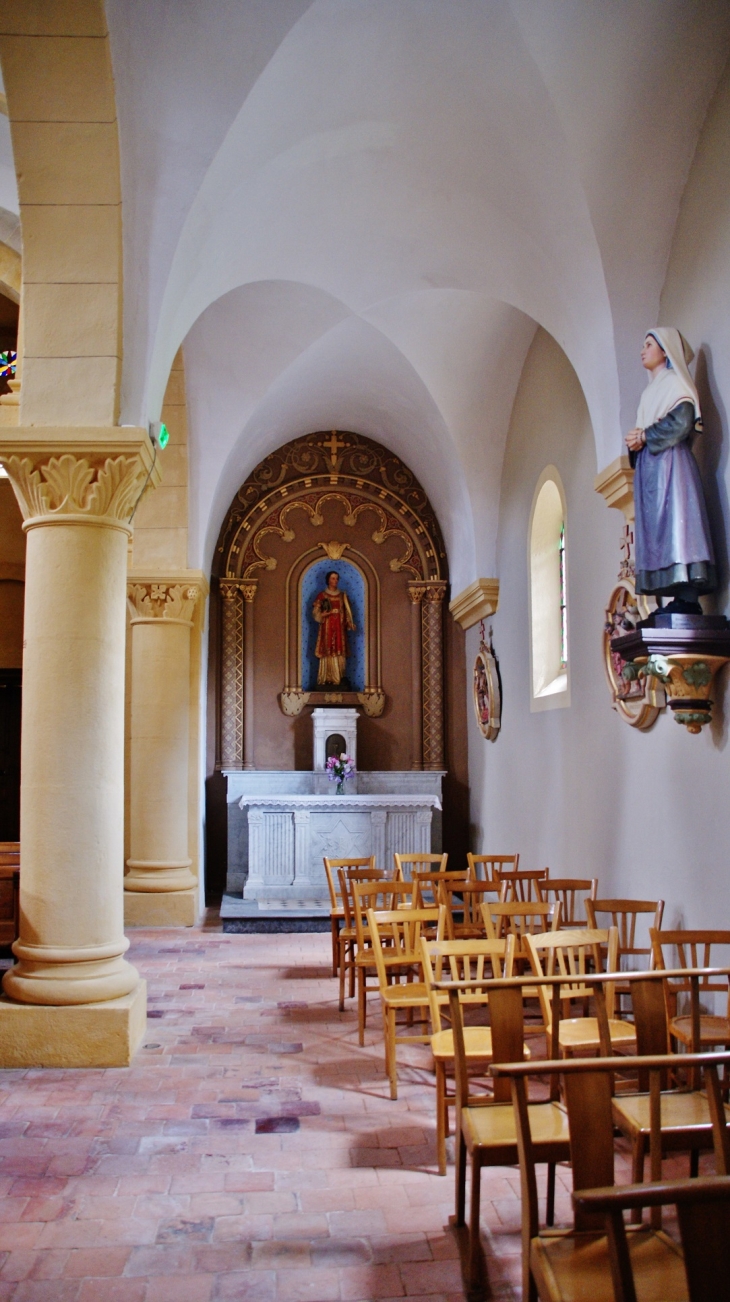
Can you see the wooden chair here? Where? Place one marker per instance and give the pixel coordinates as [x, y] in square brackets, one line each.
[625, 915]
[337, 911]
[584, 1264]
[381, 896]
[428, 884]
[9, 891]
[486, 1132]
[685, 1118]
[347, 938]
[484, 867]
[571, 893]
[520, 887]
[571, 954]
[465, 899]
[396, 941]
[703, 1213]
[522, 918]
[462, 960]
[407, 864]
[694, 950]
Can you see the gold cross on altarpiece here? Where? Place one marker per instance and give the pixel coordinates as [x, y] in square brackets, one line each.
[335, 445]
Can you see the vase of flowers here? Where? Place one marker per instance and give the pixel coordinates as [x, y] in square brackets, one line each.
[339, 770]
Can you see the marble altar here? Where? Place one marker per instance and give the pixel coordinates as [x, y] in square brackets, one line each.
[281, 824]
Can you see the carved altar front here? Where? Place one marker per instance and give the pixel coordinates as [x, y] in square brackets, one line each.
[288, 837]
[280, 826]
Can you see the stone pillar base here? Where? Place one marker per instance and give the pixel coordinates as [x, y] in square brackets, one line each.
[77, 1035]
[160, 908]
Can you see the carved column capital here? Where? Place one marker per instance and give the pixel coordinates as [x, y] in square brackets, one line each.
[249, 590]
[78, 475]
[229, 589]
[170, 598]
[435, 592]
[415, 594]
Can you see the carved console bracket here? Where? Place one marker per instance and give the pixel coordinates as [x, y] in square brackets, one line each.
[478, 601]
[683, 653]
[616, 486]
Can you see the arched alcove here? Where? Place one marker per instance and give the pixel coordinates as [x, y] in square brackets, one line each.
[334, 500]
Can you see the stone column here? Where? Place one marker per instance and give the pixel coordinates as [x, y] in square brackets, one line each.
[433, 675]
[248, 591]
[72, 999]
[232, 686]
[160, 889]
[415, 596]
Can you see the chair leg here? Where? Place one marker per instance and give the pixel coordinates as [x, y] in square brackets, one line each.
[637, 1174]
[460, 1177]
[476, 1273]
[361, 1005]
[342, 945]
[550, 1209]
[441, 1117]
[391, 1070]
[352, 969]
[335, 945]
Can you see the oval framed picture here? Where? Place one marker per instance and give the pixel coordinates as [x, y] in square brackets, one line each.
[487, 693]
[639, 700]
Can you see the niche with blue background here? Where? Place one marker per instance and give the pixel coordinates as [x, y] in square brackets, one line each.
[314, 581]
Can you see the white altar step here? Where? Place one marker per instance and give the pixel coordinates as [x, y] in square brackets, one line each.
[232, 906]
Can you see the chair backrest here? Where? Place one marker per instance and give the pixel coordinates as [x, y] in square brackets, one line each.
[624, 915]
[463, 960]
[466, 899]
[482, 867]
[571, 892]
[521, 886]
[573, 954]
[407, 864]
[703, 1212]
[588, 1098]
[507, 1021]
[346, 879]
[331, 866]
[382, 896]
[522, 918]
[428, 886]
[694, 949]
[396, 941]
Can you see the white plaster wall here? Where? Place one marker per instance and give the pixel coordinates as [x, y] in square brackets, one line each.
[578, 789]
[696, 298]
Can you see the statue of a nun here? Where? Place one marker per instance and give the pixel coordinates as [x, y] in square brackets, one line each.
[674, 555]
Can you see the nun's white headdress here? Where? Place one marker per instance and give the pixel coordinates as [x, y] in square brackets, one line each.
[670, 385]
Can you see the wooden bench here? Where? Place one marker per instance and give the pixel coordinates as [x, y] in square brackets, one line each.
[9, 891]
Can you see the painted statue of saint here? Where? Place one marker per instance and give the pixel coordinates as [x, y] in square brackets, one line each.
[332, 612]
[674, 555]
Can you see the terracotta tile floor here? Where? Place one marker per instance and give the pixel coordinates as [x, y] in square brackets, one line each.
[251, 1152]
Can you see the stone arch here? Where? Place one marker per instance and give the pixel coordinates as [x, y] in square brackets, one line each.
[59, 83]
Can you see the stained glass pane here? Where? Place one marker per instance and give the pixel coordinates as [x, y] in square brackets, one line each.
[8, 361]
[563, 604]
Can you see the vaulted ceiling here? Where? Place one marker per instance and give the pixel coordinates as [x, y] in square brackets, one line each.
[354, 213]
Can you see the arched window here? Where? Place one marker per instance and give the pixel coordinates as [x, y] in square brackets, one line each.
[547, 560]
